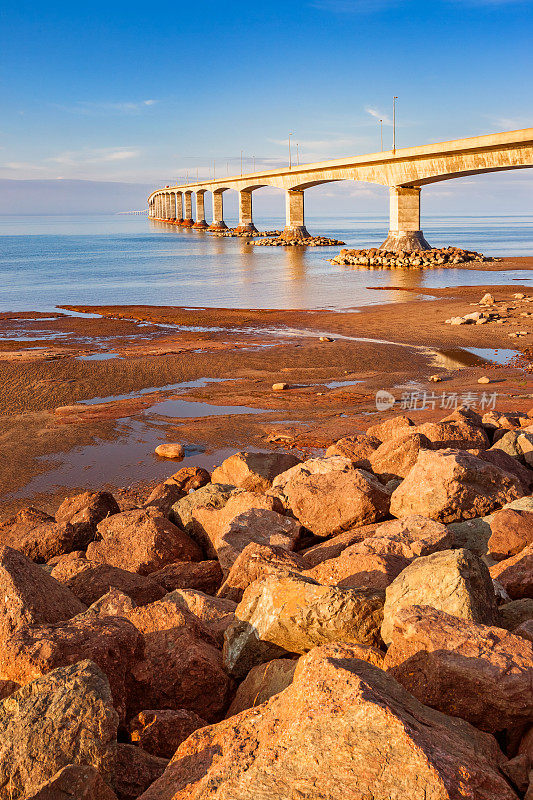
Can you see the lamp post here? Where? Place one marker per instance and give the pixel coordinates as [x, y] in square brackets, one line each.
[254, 162]
[394, 124]
[298, 153]
[290, 157]
[381, 132]
[241, 162]
[214, 174]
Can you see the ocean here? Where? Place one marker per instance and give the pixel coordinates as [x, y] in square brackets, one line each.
[48, 261]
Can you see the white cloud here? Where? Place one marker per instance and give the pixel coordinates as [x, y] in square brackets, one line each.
[102, 108]
[379, 115]
[99, 156]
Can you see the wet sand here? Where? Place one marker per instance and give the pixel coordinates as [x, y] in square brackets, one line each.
[130, 362]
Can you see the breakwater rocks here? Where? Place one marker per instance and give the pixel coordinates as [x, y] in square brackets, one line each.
[371, 609]
[307, 241]
[234, 232]
[383, 259]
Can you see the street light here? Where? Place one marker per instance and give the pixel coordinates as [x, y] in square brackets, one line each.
[298, 153]
[381, 131]
[290, 157]
[254, 162]
[394, 124]
[241, 162]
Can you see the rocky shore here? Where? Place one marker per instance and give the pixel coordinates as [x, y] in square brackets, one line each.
[356, 624]
[306, 241]
[437, 257]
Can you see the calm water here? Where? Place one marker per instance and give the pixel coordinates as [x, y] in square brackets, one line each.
[50, 261]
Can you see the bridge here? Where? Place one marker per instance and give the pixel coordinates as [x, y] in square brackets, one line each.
[405, 171]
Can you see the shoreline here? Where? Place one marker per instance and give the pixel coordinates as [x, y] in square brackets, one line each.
[128, 350]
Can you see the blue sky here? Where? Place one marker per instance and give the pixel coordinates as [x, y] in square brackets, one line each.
[144, 92]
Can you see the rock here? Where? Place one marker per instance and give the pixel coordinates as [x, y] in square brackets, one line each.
[170, 450]
[390, 428]
[435, 378]
[216, 613]
[74, 783]
[112, 643]
[189, 478]
[508, 464]
[261, 683]
[454, 581]
[259, 526]
[450, 485]
[516, 574]
[479, 673]
[164, 496]
[487, 300]
[511, 531]
[525, 629]
[30, 596]
[84, 512]
[357, 568]
[277, 616]
[342, 729]
[36, 535]
[256, 562]
[483, 379]
[329, 495]
[279, 387]
[253, 471]
[206, 576]
[141, 541]
[161, 731]
[112, 604]
[516, 443]
[357, 448]
[333, 547]
[61, 719]
[94, 581]
[395, 457]
[460, 434]
[133, 770]
[8, 688]
[513, 613]
[181, 667]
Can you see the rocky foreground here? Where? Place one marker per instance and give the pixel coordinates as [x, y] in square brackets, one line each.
[357, 625]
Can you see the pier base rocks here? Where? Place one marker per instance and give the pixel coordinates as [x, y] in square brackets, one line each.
[342, 729]
[404, 254]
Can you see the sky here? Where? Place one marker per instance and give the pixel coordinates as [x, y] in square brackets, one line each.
[143, 93]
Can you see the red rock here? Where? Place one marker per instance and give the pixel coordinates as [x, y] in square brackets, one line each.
[188, 478]
[525, 630]
[356, 568]
[112, 643]
[395, 457]
[333, 547]
[95, 580]
[460, 435]
[206, 576]
[215, 613]
[132, 770]
[30, 596]
[479, 673]
[390, 428]
[511, 531]
[141, 541]
[254, 563]
[259, 526]
[410, 537]
[181, 668]
[513, 613]
[7, 688]
[75, 782]
[343, 729]
[36, 535]
[508, 464]
[452, 485]
[84, 512]
[112, 604]
[357, 448]
[253, 471]
[161, 732]
[516, 574]
[163, 497]
[261, 683]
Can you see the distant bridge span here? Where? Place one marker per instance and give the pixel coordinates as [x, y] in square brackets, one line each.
[405, 171]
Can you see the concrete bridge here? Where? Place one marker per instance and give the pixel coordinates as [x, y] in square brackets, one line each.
[404, 171]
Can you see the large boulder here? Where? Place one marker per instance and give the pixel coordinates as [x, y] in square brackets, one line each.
[509, 464]
[30, 596]
[455, 581]
[181, 666]
[277, 616]
[515, 612]
[357, 448]
[479, 673]
[395, 457]
[206, 576]
[141, 541]
[511, 531]
[259, 526]
[132, 770]
[390, 428]
[63, 718]
[161, 731]
[255, 562]
[261, 683]
[84, 512]
[342, 729]
[216, 613]
[333, 547]
[37, 535]
[518, 444]
[459, 434]
[357, 567]
[75, 782]
[93, 580]
[329, 495]
[253, 471]
[450, 485]
[112, 643]
[515, 574]
[166, 494]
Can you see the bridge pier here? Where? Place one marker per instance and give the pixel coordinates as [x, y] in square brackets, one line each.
[166, 210]
[188, 221]
[173, 206]
[294, 215]
[179, 208]
[246, 223]
[218, 223]
[200, 223]
[404, 225]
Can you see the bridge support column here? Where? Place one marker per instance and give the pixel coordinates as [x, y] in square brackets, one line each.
[404, 226]
[246, 223]
[179, 208]
[218, 223]
[200, 223]
[188, 221]
[173, 206]
[294, 215]
[168, 206]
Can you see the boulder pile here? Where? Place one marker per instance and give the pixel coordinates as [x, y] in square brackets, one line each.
[437, 257]
[355, 625]
[304, 241]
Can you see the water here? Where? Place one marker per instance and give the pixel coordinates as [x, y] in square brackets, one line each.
[50, 261]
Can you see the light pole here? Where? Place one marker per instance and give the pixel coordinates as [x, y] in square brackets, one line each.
[214, 175]
[394, 124]
[381, 131]
[241, 162]
[290, 157]
[254, 162]
[298, 153]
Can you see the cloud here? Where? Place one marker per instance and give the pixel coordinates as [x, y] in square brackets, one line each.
[103, 108]
[99, 156]
[378, 115]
